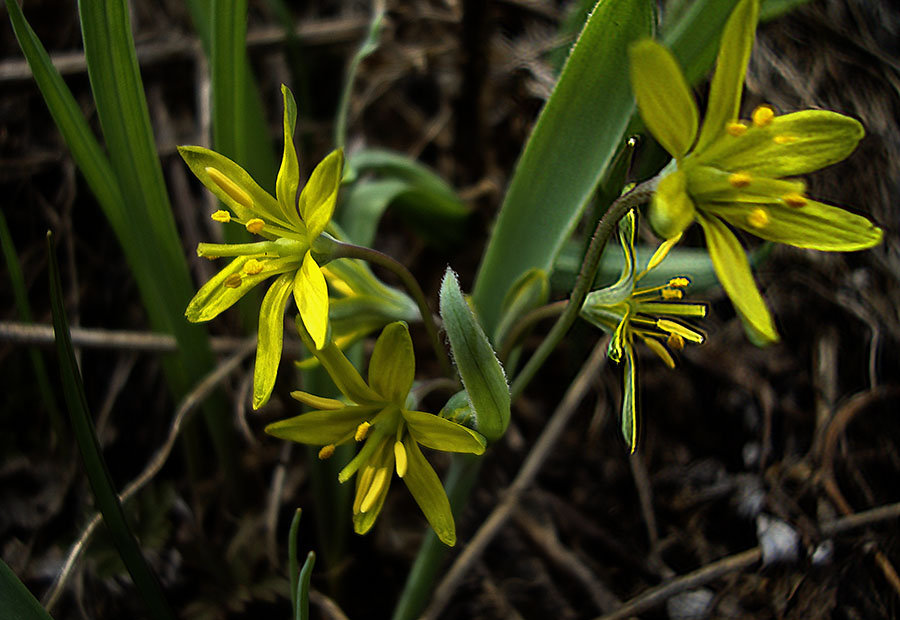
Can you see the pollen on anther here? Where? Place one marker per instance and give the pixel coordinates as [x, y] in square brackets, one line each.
[253, 267]
[255, 225]
[758, 218]
[795, 199]
[675, 342]
[736, 129]
[232, 281]
[221, 216]
[679, 282]
[672, 293]
[784, 139]
[739, 179]
[326, 452]
[763, 115]
[361, 431]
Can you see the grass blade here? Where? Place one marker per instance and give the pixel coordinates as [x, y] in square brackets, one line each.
[16, 600]
[573, 141]
[95, 467]
[301, 609]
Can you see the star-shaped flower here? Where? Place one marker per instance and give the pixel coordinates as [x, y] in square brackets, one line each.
[651, 314]
[732, 171]
[381, 415]
[291, 229]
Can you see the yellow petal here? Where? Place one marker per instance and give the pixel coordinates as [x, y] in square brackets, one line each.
[733, 271]
[663, 97]
[671, 210]
[319, 195]
[731, 66]
[311, 295]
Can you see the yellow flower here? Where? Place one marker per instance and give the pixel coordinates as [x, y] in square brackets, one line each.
[290, 229]
[732, 171]
[381, 416]
[650, 314]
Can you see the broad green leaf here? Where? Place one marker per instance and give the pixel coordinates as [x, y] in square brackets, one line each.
[480, 371]
[271, 338]
[365, 204]
[105, 494]
[528, 293]
[392, 366]
[15, 599]
[573, 142]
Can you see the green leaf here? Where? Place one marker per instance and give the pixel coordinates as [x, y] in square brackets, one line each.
[228, 70]
[392, 366]
[369, 45]
[293, 562]
[15, 599]
[480, 371]
[301, 608]
[365, 204]
[271, 338]
[573, 142]
[89, 446]
[528, 293]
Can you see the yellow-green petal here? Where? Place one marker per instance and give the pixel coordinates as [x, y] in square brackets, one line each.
[793, 144]
[271, 337]
[317, 402]
[624, 286]
[733, 271]
[663, 96]
[263, 205]
[427, 490]
[392, 366]
[671, 209]
[629, 400]
[288, 178]
[707, 184]
[214, 297]
[311, 295]
[439, 433]
[815, 226]
[320, 428]
[731, 66]
[319, 195]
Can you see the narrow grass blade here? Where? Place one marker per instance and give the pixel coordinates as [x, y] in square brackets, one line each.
[575, 138]
[293, 562]
[228, 66]
[301, 610]
[16, 600]
[369, 45]
[20, 296]
[95, 467]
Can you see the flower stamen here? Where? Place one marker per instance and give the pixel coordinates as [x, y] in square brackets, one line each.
[675, 342]
[378, 481]
[232, 281]
[672, 293]
[326, 452]
[739, 179]
[253, 267]
[221, 216]
[736, 129]
[679, 282]
[255, 225]
[784, 139]
[795, 199]
[763, 115]
[758, 218]
[400, 458]
[361, 432]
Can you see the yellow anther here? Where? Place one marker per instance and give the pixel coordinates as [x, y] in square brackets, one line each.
[677, 329]
[361, 431]
[253, 267]
[255, 225]
[326, 452]
[795, 199]
[763, 115]
[784, 139]
[232, 281]
[379, 481]
[675, 342]
[230, 187]
[221, 216]
[758, 218]
[210, 257]
[679, 282]
[739, 179]
[736, 129]
[672, 293]
[400, 458]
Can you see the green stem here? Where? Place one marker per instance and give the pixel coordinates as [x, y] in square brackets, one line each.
[461, 478]
[348, 250]
[637, 196]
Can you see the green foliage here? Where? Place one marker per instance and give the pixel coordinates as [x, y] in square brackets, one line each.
[15, 599]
